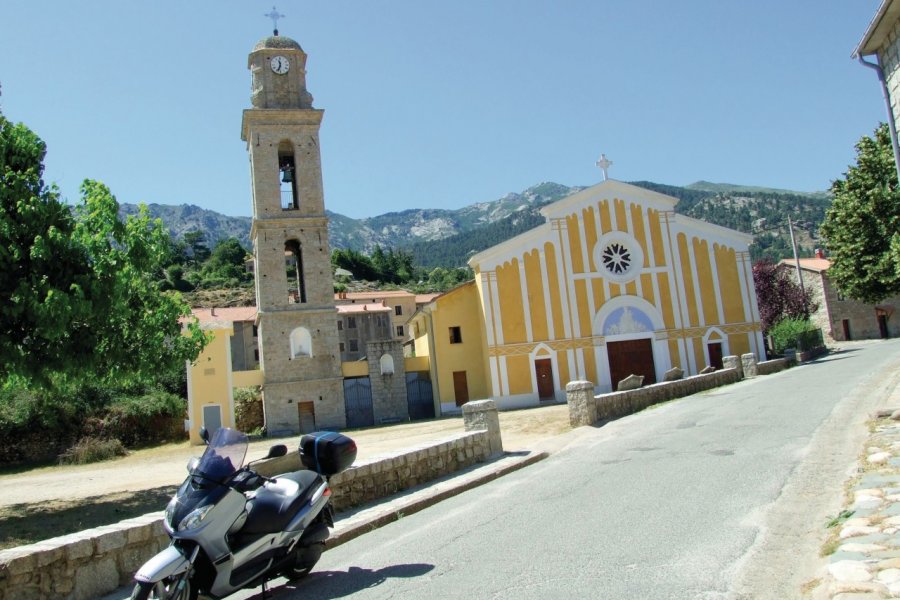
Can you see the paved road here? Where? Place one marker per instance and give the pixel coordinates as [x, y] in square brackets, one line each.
[669, 503]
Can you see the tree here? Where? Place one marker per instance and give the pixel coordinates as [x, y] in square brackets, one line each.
[863, 223]
[195, 242]
[79, 292]
[778, 296]
[226, 263]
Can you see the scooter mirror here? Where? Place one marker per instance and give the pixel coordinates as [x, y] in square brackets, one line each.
[277, 450]
[192, 464]
[204, 435]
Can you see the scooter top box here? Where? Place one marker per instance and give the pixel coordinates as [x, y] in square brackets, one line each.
[327, 452]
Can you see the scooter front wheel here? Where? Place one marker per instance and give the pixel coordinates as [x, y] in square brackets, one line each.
[167, 589]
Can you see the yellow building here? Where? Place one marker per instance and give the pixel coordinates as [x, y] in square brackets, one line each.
[450, 328]
[211, 379]
[613, 283]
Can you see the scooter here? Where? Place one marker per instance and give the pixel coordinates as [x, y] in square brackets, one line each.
[233, 528]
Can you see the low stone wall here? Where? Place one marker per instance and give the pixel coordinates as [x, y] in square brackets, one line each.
[773, 366]
[88, 564]
[82, 565]
[385, 476]
[586, 409]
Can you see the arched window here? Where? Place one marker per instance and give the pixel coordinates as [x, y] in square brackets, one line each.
[387, 364]
[301, 343]
[287, 174]
[293, 263]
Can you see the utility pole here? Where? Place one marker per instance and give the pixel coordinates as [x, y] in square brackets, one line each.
[796, 257]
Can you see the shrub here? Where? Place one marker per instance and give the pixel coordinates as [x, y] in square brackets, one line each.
[248, 412]
[91, 449]
[792, 333]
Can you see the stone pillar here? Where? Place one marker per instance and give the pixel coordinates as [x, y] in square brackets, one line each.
[582, 407]
[749, 364]
[481, 415]
[733, 362]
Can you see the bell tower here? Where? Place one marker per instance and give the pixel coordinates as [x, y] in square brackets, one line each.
[297, 321]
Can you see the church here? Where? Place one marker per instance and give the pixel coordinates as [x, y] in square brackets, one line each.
[614, 283]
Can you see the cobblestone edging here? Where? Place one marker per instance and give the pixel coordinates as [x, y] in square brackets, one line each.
[88, 564]
[865, 564]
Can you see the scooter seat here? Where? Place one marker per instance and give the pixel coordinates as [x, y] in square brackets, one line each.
[274, 507]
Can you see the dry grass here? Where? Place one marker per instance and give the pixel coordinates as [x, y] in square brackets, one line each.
[22, 524]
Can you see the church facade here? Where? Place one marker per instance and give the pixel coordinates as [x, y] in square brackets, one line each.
[614, 283]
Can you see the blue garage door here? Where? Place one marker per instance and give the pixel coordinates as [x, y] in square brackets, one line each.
[358, 402]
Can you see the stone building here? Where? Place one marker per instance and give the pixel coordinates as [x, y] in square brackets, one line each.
[359, 324]
[841, 318]
[882, 39]
[296, 325]
[402, 303]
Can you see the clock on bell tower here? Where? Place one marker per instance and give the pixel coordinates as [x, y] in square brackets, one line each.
[297, 323]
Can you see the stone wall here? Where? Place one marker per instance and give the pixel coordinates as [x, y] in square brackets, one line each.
[586, 409]
[389, 403]
[773, 366]
[82, 565]
[378, 478]
[88, 564]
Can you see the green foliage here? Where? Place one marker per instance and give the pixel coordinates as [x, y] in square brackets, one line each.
[862, 228]
[788, 333]
[91, 450]
[79, 289]
[40, 422]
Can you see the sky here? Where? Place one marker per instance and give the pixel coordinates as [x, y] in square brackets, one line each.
[444, 104]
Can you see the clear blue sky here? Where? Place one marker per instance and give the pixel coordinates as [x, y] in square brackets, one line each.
[442, 104]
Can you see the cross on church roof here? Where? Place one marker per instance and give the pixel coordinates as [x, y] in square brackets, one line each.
[274, 15]
[604, 164]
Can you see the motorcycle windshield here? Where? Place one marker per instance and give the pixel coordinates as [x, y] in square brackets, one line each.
[224, 455]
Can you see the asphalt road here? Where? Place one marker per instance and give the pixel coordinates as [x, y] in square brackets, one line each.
[674, 502]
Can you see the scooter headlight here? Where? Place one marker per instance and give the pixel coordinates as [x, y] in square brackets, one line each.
[170, 513]
[194, 518]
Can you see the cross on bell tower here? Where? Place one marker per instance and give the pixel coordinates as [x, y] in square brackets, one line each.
[274, 15]
[297, 323]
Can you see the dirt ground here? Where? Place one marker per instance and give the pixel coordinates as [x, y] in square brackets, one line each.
[46, 502]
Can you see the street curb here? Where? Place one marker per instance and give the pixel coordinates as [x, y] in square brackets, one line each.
[369, 519]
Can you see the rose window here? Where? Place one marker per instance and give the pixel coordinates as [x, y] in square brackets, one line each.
[617, 258]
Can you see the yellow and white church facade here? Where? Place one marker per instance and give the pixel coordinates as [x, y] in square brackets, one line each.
[613, 283]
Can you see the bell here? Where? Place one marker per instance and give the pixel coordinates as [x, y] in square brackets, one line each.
[288, 176]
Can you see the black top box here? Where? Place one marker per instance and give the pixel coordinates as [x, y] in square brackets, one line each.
[327, 452]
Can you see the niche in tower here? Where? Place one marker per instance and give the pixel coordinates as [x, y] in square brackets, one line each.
[287, 173]
[296, 282]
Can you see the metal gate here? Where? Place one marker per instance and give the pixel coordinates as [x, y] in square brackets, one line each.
[358, 402]
[419, 396]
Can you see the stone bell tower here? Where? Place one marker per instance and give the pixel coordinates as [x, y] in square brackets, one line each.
[297, 322]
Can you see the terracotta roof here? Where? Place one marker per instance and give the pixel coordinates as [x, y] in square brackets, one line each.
[810, 264]
[369, 295]
[426, 298]
[358, 308]
[229, 315]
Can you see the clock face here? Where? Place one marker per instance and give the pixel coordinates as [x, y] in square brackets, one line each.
[280, 64]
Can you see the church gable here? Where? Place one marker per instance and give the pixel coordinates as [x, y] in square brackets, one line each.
[613, 273]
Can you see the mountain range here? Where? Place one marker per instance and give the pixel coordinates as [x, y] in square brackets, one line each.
[443, 237]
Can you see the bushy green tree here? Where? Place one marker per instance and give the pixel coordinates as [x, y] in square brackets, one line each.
[79, 288]
[862, 227]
